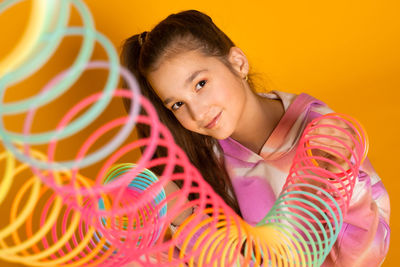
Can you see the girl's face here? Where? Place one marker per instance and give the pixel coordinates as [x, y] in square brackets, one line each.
[202, 92]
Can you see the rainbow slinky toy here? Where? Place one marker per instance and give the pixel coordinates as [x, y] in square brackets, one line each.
[60, 217]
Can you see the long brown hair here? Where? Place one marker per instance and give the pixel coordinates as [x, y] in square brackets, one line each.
[142, 53]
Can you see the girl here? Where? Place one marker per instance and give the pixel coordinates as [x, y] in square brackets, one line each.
[241, 141]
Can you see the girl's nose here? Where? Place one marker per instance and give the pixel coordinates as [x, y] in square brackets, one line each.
[197, 111]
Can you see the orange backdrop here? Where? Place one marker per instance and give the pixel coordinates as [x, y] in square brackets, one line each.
[344, 52]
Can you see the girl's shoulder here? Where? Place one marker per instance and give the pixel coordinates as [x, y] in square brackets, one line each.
[285, 97]
[300, 101]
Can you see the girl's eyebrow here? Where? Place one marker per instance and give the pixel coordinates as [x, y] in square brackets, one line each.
[188, 80]
[166, 101]
[193, 75]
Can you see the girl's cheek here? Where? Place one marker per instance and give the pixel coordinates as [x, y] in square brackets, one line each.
[184, 120]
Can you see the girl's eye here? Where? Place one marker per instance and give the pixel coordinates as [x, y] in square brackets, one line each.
[176, 105]
[200, 84]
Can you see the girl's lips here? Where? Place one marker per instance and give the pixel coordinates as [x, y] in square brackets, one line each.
[214, 121]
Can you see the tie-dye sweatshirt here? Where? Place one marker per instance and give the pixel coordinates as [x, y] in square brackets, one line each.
[258, 179]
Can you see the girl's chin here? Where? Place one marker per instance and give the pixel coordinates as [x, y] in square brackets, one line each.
[218, 133]
[221, 135]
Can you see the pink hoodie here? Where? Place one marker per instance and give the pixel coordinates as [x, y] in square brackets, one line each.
[258, 179]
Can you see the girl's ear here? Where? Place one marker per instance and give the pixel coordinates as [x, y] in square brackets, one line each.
[239, 61]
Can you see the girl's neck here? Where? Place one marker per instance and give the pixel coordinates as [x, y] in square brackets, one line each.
[259, 118]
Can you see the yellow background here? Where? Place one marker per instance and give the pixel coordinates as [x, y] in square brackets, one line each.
[343, 52]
